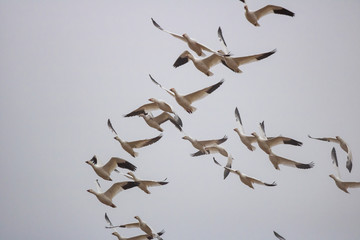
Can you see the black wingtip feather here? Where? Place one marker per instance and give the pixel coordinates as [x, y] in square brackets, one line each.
[305, 166]
[127, 165]
[180, 61]
[265, 55]
[334, 157]
[134, 113]
[270, 185]
[284, 11]
[215, 86]
[94, 159]
[293, 142]
[198, 153]
[130, 185]
[110, 126]
[349, 165]
[156, 24]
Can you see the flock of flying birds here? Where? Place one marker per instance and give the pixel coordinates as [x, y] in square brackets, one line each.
[203, 147]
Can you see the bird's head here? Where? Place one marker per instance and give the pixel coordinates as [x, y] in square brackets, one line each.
[186, 36]
[91, 191]
[152, 100]
[186, 137]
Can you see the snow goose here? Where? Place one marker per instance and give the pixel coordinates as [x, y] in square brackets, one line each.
[203, 65]
[245, 139]
[138, 237]
[155, 122]
[106, 197]
[279, 236]
[144, 184]
[233, 63]
[249, 181]
[105, 170]
[254, 16]
[211, 150]
[338, 181]
[344, 146]
[144, 227]
[200, 145]
[197, 47]
[185, 101]
[154, 105]
[266, 144]
[277, 160]
[129, 146]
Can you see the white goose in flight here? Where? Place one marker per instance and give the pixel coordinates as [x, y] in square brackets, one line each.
[277, 160]
[201, 145]
[185, 101]
[104, 171]
[247, 180]
[193, 44]
[106, 197]
[144, 227]
[129, 146]
[203, 65]
[233, 63]
[154, 105]
[338, 181]
[267, 143]
[155, 122]
[211, 150]
[344, 146]
[247, 140]
[144, 184]
[254, 16]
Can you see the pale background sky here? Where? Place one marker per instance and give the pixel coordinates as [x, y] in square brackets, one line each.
[68, 66]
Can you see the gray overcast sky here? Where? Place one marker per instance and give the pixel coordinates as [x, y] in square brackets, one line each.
[68, 66]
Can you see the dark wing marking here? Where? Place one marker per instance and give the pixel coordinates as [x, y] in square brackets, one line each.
[279, 236]
[304, 165]
[180, 61]
[284, 11]
[334, 157]
[108, 220]
[111, 127]
[94, 160]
